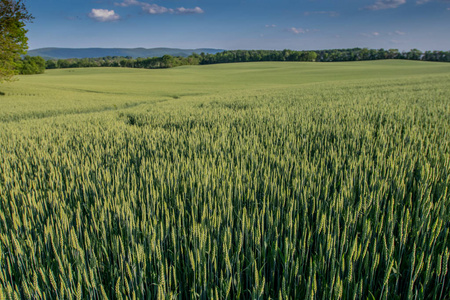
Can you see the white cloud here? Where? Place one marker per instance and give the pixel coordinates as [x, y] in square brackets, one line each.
[188, 11]
[372, 34]
[397, 32]
[127, 3]
[297, 30]
[386, 4]
[154, 9]
[419, 2]
[271, 26]
[329, 13]
[103, 15]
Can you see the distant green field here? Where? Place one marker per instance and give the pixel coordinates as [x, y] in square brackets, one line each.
[235, 181]
[85, 90]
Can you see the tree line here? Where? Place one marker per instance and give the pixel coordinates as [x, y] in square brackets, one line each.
[36, 65]
[166, 61]
[358, 54]
[354, 54]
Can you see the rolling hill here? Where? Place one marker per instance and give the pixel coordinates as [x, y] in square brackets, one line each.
[289, 179]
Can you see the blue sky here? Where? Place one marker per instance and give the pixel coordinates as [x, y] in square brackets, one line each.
[241, 24]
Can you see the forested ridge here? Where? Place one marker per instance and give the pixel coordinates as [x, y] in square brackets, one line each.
[34, 65]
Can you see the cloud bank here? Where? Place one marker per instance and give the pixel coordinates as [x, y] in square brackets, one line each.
[127, 3]
[155, 9]
[103, 15]
[397, 32]
[297, 30]
[378, 34]
[426, 1]
[386, 4]
[329, 13]
[372, 34]
[188, 11]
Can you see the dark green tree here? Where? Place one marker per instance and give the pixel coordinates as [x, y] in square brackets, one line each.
[393, 53]
[167, 61]
[32, 65]
[312, 56]
[13, 39]
[415, 54]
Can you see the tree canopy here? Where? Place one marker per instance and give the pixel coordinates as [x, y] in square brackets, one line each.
[32, 65]
[232, 56]
[13, 39]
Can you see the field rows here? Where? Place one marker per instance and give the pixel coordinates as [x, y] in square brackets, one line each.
[336, 190]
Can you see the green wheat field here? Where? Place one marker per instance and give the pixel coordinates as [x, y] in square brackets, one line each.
[237, 181]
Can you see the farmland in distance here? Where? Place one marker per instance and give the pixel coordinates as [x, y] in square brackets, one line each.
[252, 180]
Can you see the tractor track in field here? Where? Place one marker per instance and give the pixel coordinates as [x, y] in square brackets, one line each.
[56, 113]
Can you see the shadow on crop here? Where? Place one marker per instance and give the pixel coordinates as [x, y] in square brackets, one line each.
[133, 119]
[235, 105]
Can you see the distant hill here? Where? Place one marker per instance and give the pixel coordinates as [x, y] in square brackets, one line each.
[63, 53]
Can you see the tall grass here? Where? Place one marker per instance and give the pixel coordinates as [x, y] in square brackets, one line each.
[325, 191]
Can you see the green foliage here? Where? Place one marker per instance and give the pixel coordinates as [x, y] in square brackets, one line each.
[233, 56]
[13, 40]
[32, 65]
[167, 61]
[262, 187]
[355, 54]
[312, 56]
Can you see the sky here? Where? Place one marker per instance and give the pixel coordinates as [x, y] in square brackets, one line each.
[240, 24]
